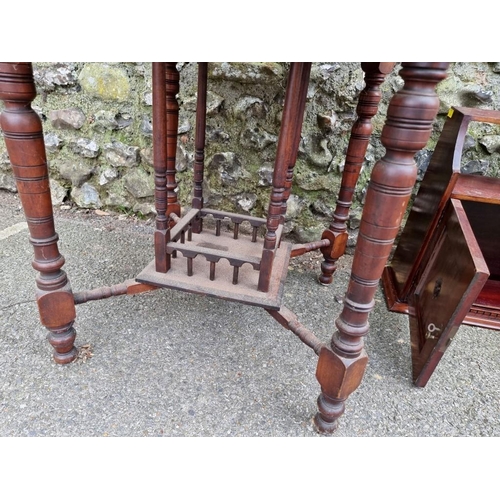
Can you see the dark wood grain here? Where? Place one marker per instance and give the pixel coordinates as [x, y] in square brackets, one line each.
[161, 236]
[172, 89]
[437, 186]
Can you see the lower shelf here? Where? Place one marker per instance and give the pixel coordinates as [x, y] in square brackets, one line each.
[222, 287]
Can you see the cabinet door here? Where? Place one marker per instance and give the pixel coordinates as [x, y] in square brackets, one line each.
[453, 278]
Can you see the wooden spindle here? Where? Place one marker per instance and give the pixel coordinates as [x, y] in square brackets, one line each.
[199, 147]
[172, 106]
[128, 287]
[236, 271]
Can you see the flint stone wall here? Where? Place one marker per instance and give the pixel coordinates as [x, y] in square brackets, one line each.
[98, 134]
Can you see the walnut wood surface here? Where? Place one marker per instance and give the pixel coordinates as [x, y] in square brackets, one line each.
[435, 190]
[172, 89]
[477, 188]
[222, 286]
[162, 235]
[293, 149]
[428, 205]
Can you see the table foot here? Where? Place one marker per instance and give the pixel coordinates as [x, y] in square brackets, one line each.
[326, 421]
[63, 344]
[328, 267]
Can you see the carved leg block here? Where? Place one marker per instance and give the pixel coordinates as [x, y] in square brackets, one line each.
[57, 314]
[338, 376]
[331, 253]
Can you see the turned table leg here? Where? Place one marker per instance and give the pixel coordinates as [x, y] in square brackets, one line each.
[291, 126]
[23, 136]
[368, 102]
[162, 232]
[407, 129]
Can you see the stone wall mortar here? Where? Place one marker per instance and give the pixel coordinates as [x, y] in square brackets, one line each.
[98, 134]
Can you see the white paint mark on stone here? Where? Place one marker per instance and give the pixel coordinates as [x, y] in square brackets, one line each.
[16, 228]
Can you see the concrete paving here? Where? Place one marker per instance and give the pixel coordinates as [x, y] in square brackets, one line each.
[167, 363]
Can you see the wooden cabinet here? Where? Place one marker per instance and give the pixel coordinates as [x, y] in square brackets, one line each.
[445, 270]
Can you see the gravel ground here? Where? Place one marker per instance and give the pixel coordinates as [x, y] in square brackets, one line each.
[167, 363]
[172, 364]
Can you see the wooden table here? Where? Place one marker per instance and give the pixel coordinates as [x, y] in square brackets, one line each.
[247, 269]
